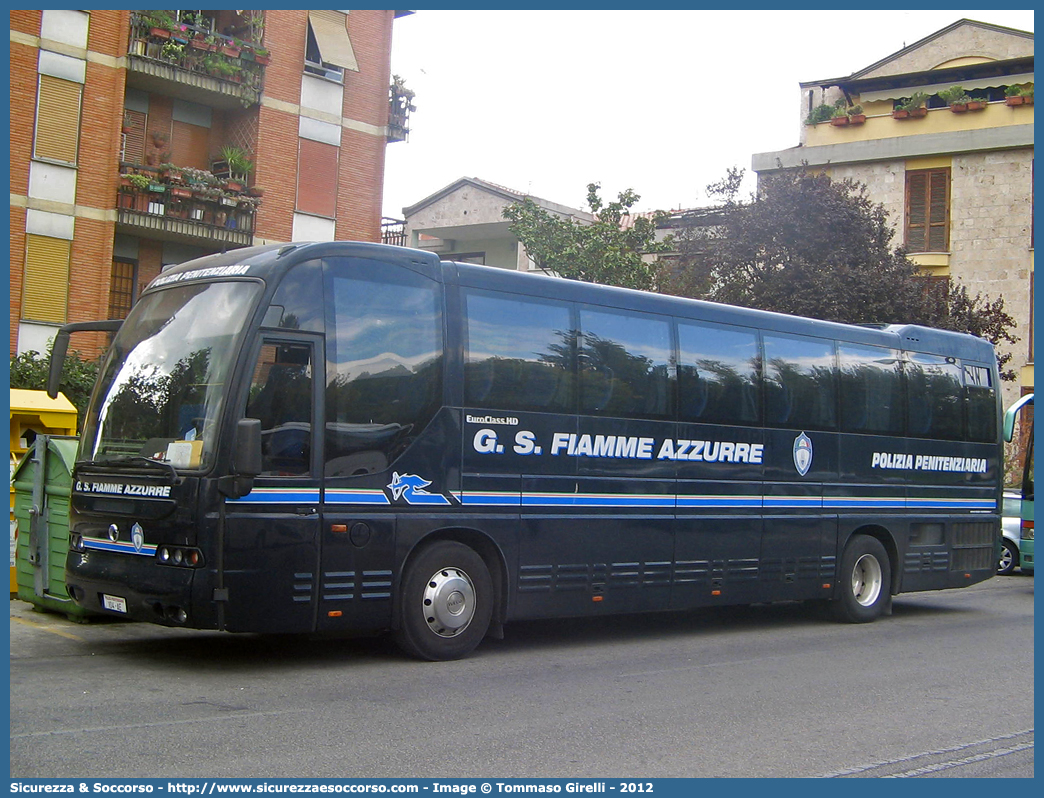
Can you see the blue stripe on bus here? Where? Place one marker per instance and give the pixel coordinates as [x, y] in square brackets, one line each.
[356, 496]
[279, 496]
[366, 497]
[124, 547]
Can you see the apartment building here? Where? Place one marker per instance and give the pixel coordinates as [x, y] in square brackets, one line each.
[941, 133]
[141, 138]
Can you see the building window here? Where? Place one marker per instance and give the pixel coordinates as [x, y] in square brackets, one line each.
[328, 50]
[317, 178]
[45, 296]
[134, 123]
[928, 210]
[123, 287]
[57, 119]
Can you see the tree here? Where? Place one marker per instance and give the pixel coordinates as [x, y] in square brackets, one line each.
[813, 246]
[602, 252]
[30, 369]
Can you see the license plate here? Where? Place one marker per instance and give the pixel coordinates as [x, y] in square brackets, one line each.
[114, 603]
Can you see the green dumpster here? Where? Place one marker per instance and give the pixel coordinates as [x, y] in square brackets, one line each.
[43, 484]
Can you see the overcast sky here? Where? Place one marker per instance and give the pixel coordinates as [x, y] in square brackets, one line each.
[659, 101]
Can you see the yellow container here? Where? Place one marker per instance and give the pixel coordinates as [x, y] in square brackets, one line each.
[33, 413]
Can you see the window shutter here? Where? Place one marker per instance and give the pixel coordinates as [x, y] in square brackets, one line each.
[938, 211]
[916, 211]
[134, 136]
[317, 178]
[45, 296]
[190, 145]
[57, 119]
[928, 210]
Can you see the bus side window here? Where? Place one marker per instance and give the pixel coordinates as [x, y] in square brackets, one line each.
[981, 400]
[384, 363]
[934, 396]
[717, 374]
[281, 397]
[871, 390]
[519, 353]
[800, 383]
[625, 364]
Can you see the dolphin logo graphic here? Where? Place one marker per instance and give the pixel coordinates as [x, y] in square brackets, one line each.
[411, 488]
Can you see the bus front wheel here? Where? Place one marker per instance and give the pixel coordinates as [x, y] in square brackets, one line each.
[447, 602]
[865, 580]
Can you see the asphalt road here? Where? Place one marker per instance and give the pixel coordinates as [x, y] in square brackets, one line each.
[942, 688]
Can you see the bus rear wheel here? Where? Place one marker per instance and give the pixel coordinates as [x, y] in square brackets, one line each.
[447, 603]
[865, 580]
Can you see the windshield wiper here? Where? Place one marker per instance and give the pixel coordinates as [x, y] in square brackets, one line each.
[171, 471]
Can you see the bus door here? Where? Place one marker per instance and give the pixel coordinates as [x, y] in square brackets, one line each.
[271, 546]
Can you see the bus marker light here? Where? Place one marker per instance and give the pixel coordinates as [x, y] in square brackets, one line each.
[715, 592]
[827, 586]
[334, 614]
[597, 598]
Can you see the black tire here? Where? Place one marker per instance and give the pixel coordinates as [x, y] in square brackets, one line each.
[447, 602]
[864, 582]
[1009, 558]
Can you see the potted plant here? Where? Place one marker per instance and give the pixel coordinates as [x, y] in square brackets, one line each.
[838, 116]
[1013, 95]
[134, 180]
[262, 56]
[821, 113]
[955, 97]
[172, 51]
[911, 107]
[160, 23]
[856, 115]
[239, 165]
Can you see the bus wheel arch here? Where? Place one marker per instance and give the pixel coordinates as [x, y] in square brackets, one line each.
[866, 576]
[451, 594]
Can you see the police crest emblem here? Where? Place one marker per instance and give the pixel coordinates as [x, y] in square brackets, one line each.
[802, 453]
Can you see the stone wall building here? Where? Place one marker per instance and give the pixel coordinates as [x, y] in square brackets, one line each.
[956, 180]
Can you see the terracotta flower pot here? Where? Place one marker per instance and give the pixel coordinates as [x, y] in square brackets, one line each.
[857, 119]
[1018, 99]
[839, 121]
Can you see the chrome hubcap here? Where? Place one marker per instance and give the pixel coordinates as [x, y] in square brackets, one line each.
[866, 580]
[1006, 558]
[449, 602]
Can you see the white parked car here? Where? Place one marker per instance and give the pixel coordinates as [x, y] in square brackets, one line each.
[1011, 520]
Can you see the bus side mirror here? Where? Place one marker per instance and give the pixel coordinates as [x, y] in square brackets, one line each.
[247, 455]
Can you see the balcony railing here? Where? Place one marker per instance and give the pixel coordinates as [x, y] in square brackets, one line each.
[393, 231]
[177, 209]
[203, 61]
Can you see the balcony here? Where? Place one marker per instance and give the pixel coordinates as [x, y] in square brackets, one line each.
[193, 63]
[187, 205]
[400, 104]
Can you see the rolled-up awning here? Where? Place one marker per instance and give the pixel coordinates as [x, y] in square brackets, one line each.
[330, 29]
[994, 82]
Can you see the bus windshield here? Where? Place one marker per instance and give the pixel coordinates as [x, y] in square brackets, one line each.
[161, 387]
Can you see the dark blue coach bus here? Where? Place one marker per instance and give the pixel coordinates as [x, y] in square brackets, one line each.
[343, 436]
